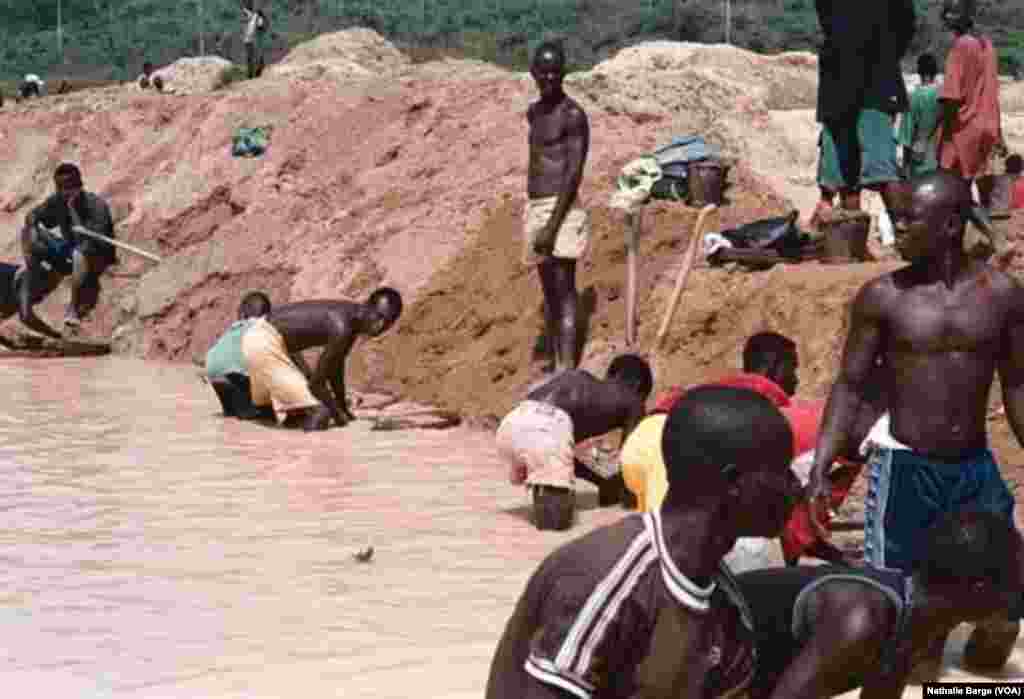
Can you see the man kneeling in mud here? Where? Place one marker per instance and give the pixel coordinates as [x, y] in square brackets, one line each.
[825, 630]
[538, 437]
[277, 371]
[225, 366]
[644, 607]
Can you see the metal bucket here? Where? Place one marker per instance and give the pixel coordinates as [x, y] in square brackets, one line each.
[706, 182]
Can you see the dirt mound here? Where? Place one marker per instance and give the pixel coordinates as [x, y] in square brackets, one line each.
[191, 76]
[1011, 96]
[675, 78]
[418, 182]
[349, 54]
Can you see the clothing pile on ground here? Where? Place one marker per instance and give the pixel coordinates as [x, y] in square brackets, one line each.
[662, 174]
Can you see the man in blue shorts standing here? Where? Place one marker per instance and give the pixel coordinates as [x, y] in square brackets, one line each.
[938, 329]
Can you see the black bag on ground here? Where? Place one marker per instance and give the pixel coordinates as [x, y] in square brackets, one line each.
[779, 234]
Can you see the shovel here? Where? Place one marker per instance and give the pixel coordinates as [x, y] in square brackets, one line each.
[633, 227]
[684, 269]
[82, 230]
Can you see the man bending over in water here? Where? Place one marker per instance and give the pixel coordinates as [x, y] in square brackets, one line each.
[644, 607]
[556, 234]
[939, 328]
[537, 438]
[277, 372]
[225, 366]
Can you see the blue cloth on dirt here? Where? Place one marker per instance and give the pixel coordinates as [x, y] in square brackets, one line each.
[225, 357]
[680, 152]
[250, 142]
[908, 493]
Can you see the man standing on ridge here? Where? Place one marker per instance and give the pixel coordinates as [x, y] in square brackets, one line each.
[556, 234]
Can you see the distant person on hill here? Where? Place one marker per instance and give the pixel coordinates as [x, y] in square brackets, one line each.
[225, 364]
[278, 374]
[31, 86]
[254, 26]
[919, 127]
[538, 437]
[860, 88]
[148, 79]
[67, 251]
[556, 231]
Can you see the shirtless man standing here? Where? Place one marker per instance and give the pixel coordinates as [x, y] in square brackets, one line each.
[556, 234]
[272, 349]
[940, 328]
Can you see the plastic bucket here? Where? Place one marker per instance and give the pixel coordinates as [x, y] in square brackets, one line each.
[846, 238]
[706, 181]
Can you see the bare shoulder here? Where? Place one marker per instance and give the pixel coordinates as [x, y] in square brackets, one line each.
[876, 295]
[574, 113]
[1006, 287]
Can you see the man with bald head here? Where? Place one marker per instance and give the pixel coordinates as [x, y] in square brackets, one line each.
[938, 329]
[556, 233]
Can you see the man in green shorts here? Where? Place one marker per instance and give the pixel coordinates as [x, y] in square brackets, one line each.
[919, 127]
[860, 88]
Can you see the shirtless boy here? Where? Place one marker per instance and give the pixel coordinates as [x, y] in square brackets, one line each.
[644, 607]
[940, 329]
[556, 234]
[538, 437]
[278, 373]
[825, 630]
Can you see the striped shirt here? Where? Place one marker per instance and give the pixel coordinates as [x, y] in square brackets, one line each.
[587, 617]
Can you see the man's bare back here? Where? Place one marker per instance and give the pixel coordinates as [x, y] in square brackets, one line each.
[333, 325]
[595, 406]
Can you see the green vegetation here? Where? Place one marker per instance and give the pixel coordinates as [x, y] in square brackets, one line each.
[109, 39]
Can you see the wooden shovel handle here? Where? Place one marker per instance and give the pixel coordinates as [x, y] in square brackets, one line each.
[689, 256]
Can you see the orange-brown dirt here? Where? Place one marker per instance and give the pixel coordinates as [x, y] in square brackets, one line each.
[385, 172]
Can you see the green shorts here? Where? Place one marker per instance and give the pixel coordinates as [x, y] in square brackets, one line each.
[857, 152]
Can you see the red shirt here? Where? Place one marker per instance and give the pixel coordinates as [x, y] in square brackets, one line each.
[1017, 194]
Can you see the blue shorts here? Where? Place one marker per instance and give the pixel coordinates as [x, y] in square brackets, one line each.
[908, 493]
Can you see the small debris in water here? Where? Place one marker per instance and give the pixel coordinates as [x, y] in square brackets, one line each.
[364, 555]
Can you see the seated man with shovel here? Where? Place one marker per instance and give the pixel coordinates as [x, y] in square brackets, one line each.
[75, 252]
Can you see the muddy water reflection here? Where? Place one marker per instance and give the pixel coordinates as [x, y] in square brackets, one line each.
[150, 548]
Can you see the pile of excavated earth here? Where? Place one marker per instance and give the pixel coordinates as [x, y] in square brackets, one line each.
[382, 171]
